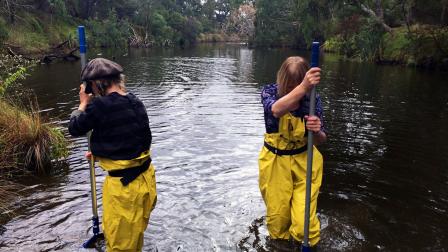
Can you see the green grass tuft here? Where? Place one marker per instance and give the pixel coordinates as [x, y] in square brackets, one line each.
[28, 142]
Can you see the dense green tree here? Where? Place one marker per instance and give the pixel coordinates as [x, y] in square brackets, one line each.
[275, 23]
[158, 24]
[109, 32]
[356, 28]
[356, 25]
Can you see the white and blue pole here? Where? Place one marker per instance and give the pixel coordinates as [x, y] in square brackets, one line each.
[82, 45]
[309, 164]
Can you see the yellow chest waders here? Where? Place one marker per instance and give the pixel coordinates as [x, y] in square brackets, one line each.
[126, 208]
[282, 173]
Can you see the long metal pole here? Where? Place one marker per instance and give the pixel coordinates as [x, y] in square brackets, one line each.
[82, 51]
[309, 163]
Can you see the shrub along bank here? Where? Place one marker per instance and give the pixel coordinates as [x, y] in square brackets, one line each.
[417, 46]
[29, 144]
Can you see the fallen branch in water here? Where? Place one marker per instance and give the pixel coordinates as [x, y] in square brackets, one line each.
[61, 45]
[58, 52]
[12, 53]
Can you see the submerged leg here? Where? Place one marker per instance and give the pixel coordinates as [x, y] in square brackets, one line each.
[275, 184]
[298, 198]
[126, 211]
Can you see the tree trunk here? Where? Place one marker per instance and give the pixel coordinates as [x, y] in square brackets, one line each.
[379, 10]
[11, 12]
[86, 8]
[410, 12]
[406, 8]
[374, 15]
[442, 15]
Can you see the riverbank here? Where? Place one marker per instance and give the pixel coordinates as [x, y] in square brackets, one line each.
[29, 143]
[421, 46]
[48, 37]
[44, 40]
[220, 38]
[41, 38]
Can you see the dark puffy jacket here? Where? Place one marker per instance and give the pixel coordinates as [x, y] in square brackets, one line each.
[120, 126]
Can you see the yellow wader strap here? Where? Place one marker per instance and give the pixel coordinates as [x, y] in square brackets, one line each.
[285, 152]
[128, 170]
[130, 174]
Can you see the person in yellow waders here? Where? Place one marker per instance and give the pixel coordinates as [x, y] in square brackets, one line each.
[283, 158]
[120, 141]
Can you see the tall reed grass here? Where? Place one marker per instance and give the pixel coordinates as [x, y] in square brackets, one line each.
[27, 142]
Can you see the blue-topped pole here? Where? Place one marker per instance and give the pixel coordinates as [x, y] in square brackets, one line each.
[82, 45]
[309, 164]
[82, 53]
[95, 221]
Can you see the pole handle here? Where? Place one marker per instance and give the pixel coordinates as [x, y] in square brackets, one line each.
[82, 39]
[315, 54]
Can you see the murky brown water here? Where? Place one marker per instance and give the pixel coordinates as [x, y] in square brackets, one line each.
[385, 182]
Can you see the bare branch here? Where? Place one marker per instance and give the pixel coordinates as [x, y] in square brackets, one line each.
[373, 15]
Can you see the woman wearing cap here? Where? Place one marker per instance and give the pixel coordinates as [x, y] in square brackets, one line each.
[282, 161]
[120, 141]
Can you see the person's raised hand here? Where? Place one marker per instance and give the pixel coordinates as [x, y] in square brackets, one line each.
[312, 78]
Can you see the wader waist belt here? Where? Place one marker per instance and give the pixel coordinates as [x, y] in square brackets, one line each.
[130, 174]
[285, 152]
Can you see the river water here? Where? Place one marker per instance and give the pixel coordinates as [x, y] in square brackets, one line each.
[385, 185]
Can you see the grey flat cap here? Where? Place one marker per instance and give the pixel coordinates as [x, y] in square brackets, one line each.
[100, 68]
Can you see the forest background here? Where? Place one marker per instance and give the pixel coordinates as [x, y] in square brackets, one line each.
[407, 32]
